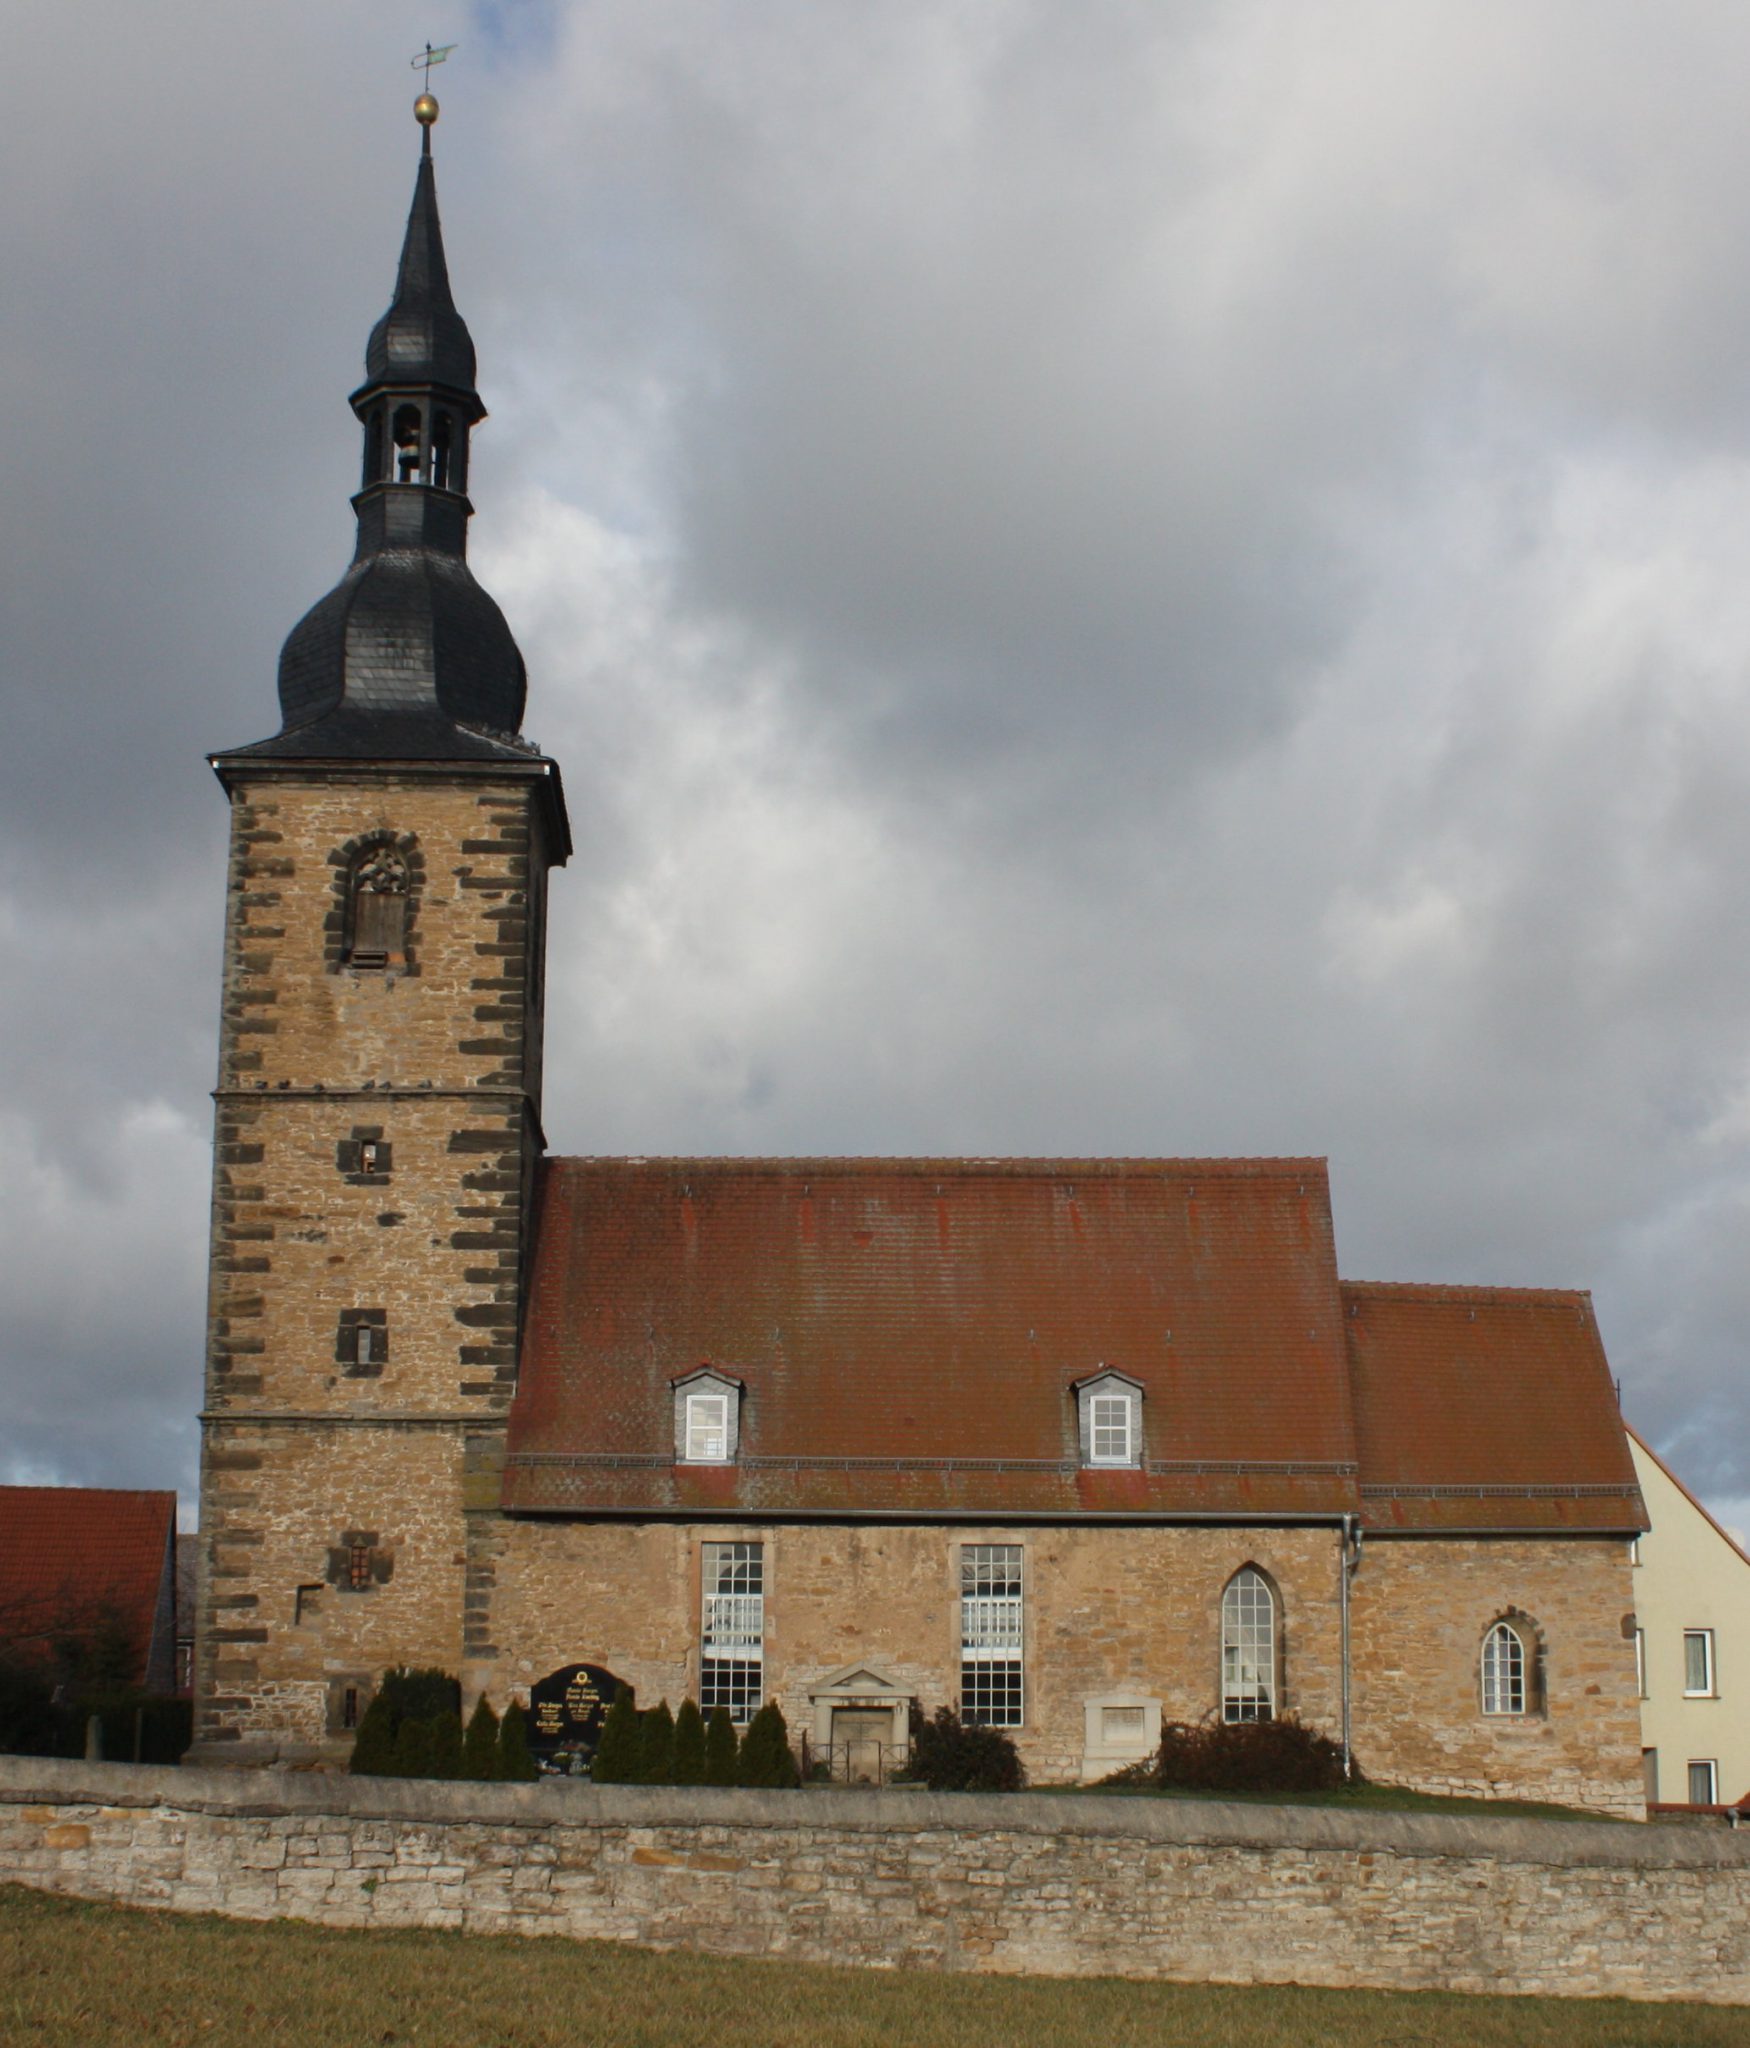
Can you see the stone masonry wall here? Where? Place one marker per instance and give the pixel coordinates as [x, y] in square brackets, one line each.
[1420, 1611]
[332, 1529]
[1194, 1891]
[1105, 1609]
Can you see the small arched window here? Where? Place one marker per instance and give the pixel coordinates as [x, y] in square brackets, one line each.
[378, 909]
[1248, 1648]
[440, 451]
[374, 448]
[1505, 1670]
[407, 436]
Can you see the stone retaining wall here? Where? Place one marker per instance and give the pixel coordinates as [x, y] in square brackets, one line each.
[1076, 1885]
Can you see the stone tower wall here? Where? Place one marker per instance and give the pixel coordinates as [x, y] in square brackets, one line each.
[332, 1531]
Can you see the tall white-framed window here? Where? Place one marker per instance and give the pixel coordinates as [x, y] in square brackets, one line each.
[1248, 1648]
[1704, 1781]
[990, 1635]
[707, 1429]
[1641, 1662]
[1504, 1661]
[1109, 1429]
[1698, 1663]
[732, 1630]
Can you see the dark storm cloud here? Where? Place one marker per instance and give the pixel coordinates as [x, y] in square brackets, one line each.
[1106, 578]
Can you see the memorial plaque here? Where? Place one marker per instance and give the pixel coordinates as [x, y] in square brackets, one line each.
[566, 1711]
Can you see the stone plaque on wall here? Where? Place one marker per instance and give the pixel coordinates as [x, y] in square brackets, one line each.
[566, 1710]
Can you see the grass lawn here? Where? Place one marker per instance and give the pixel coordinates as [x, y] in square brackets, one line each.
[1363, 1799]
[86, 1976]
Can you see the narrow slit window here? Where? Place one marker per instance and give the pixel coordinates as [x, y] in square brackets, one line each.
[349, 1707]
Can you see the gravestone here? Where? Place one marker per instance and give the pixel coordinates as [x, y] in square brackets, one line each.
[566, 1711]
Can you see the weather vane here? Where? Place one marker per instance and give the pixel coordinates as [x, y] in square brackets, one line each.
[425, 108]
[428, 57]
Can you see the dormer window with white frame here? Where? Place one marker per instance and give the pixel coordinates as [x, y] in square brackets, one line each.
[1109, 1415]
[707, 1418]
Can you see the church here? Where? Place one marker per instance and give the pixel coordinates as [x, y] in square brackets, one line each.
[1071, 1445]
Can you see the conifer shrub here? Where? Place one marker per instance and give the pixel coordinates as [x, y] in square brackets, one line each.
[446, 1745]
[412, 1753]
[656, 1746]
[373, 1747]
[722, 1750]
[480, 1744]
[1249, 1756]
[618, 1752]
[765, 1751]
[516, 1761]
[418, 1695]
[949, 1756]
[689, 1745]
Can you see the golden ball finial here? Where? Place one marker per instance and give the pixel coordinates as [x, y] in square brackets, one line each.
[425, 110]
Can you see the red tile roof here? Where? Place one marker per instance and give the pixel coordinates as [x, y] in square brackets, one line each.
[71, 1550]
[909, 1330]
[909, 1333]
[1486, 1408]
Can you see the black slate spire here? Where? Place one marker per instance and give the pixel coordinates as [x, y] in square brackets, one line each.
[407, 658]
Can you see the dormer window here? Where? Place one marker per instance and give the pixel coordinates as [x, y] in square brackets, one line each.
[707, 1418]
[707, 1429]
[1109, 1418]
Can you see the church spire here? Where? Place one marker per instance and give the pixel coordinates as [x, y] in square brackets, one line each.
[407, 658]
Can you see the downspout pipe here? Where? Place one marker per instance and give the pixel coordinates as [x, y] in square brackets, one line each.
[1350, 1564]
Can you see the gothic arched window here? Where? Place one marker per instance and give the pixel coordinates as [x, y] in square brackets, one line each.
[1248, 1648]
[377, 909]
[1506, 1670]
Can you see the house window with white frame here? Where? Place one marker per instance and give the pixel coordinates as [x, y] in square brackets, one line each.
[990, 1635]
[1504, 1690]
[1698, 1663]
[733, 1630]
[1704, 1781]
[707, 1429]
[1248, 1648]
[1641, 1662]
[1109, 1429]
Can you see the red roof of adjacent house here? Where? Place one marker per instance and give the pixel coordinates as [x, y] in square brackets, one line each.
[1486, 1408]
[68, 1553]
[908, 1334]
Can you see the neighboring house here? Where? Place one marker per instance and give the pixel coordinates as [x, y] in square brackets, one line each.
[1075, 1445]
[90, 1572]
[1692, 1646]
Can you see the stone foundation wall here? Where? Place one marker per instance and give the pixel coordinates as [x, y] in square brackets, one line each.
[1194, 1891]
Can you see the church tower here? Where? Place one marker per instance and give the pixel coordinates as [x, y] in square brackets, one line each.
[378, 1105]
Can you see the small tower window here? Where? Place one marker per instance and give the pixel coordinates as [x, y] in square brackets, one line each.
[407, 439]
[374, 448]
[361, 1344]
[440, 451]
[379, 909]
[358, 1569]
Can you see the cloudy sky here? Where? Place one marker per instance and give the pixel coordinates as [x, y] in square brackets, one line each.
[1107, 576]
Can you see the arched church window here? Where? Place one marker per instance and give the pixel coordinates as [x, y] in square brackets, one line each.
[407, 438]
[378, 907]
[1248, 1648]
[1506, 1670]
